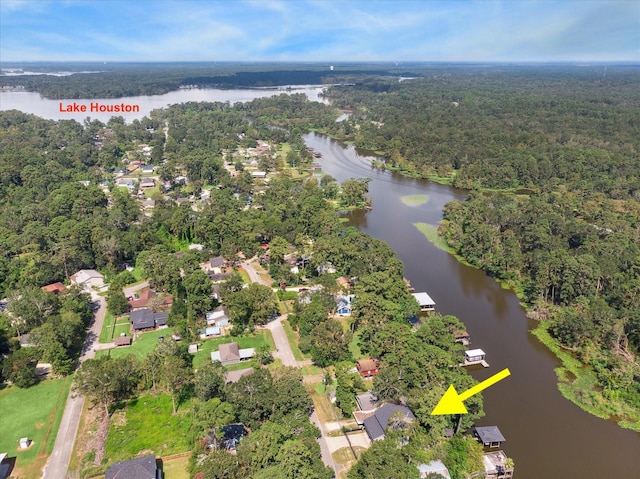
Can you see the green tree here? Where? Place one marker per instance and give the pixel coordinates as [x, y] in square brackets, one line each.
[107, 380]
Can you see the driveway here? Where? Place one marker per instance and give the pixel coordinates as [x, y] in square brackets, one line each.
[283, 348]
[58, 462]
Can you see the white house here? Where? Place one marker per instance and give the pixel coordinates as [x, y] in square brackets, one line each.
[88, 279]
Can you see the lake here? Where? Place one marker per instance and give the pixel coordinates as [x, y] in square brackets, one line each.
[29, 102]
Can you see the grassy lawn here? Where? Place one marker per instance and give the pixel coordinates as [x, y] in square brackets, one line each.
[255, 340]
[111, 330]
[137, 273]
[146, 424]
[292, 337]
[35, 413]
[345, 457]
[322, 404]
[175, 468]
[107, 328]
[141, 347]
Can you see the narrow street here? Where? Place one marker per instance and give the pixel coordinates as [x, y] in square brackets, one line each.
[58, 462]
[285, 354]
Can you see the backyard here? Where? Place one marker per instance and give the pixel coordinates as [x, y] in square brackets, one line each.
[141, 346]
[146, 424]
[254, 340]
[41, 407]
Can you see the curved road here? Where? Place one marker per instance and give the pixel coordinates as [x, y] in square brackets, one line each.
[58, 462]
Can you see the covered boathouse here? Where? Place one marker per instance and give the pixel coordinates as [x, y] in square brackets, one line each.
[425, 301]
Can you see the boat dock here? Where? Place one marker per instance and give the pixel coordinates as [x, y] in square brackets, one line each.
[475, 357]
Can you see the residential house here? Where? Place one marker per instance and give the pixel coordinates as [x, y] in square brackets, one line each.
[214, 265]
[147, 183]
[145, 319]
[148, 204]
[218, 318]
[25, 341]
[144, 467]
[368, 403]
[434, 467]
[5, 466]
[376, 425]
[147, 168]
[128, 183]
[54, 288]
[368, 367]
[343, 304]
[209, 332]
[230, 353]
[142, 298]
[343, 283]
[232, 435]
[88, 279]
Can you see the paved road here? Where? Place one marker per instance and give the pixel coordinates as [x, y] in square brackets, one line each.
[324, 446]
[128, 291]
[283, 348]
[58, 462]
[254, 276]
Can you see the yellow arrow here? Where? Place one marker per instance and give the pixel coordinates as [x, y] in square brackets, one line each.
[451, 402]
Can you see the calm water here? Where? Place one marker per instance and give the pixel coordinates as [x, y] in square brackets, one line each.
[547, 436]
[33, 103]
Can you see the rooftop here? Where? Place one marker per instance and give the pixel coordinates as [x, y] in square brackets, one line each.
[489, 434]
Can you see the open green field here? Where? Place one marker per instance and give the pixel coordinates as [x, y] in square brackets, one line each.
[146, 424]
[141, 347]
[35, 413]
[255, 340]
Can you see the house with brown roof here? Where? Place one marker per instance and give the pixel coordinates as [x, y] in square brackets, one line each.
[230, 353]
[368, 367]
[54, 288]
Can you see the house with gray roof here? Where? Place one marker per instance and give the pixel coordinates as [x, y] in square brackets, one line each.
[144, 467]
[376, 425]
[230, 353]
[142, 319]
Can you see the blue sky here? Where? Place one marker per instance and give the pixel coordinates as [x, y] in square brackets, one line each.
[320, 30]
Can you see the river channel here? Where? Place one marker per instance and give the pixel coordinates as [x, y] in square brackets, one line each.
[547, 436]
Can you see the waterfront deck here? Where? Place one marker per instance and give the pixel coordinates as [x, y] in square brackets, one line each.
[480, 362]
[475, 357]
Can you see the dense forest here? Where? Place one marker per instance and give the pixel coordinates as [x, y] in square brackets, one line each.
[551, 155]
[115, 80]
